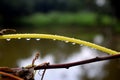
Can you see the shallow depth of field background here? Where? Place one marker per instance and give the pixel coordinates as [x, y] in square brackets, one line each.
[96, 21]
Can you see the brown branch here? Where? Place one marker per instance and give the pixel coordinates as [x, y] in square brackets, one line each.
[6, 69]
[11, 72]
[67, 65]
[11, 76]
[43, 74]
[3, 31]
[36, 57]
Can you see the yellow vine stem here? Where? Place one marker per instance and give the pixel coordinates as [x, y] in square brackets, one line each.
[61, 38]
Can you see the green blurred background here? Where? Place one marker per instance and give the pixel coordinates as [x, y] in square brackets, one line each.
[82, 19]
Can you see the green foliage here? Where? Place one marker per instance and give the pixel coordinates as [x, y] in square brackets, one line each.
[81, 18]
[10, 10]
[106, 20]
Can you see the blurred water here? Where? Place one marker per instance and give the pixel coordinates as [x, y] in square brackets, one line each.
[20, 52]
[93, 70]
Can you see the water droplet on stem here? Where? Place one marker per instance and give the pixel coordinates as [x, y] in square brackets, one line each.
[73, 43]
[27, 39]
[19, 37]
[54, 39]
[81, 44]
[8, 39]
[93, 48]
[66, 41]
[38, 39]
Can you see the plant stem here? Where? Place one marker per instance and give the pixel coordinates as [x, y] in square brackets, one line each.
[61, 38]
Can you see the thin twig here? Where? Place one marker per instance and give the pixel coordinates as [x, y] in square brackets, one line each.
[36, 57]
[4, 70]
[5, 30]
[11, 76]
[43, 74]
[67, 65]
[45, 64]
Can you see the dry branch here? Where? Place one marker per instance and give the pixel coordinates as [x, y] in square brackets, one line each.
[67, 65]
[11, 76]
[27, 72]
[3, 31]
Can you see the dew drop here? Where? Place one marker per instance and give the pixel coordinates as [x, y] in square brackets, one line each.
[38, 39]
[19, 37]
[66, 41]
[8, 39]
[81, 44]
[73, 43]
[27, 39]
[54, 39]
[93, 48]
